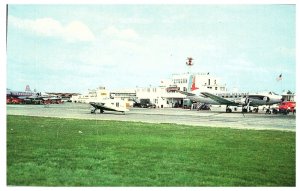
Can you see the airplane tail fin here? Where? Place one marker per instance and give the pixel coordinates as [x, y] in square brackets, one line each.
[192, 84]
[27, 89]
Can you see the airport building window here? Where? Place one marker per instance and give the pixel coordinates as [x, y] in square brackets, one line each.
[179, 81]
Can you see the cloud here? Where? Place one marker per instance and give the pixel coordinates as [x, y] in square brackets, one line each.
[73, 31]
[122, 40]
[78, 31]
[126, 34]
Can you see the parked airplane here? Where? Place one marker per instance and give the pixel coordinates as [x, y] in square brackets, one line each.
[109, 105]
[20, 94]
[29, 97]
[231, 99]
[44, 99]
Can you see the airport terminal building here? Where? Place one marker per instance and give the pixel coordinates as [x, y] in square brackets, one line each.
[163, 95]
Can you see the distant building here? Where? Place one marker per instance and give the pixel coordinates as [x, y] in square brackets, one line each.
[159, 96]
[92, 95]
[288, 96]
[124, 94]
[204, 81]
[164, 95]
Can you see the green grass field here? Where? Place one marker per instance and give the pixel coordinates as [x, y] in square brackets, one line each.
[72, 152]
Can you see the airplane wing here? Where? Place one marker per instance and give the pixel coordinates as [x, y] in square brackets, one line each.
[218, 99]
[186, 93]
[103, 107]
[23, 97]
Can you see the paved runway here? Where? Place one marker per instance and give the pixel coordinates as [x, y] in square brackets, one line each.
[214, 118]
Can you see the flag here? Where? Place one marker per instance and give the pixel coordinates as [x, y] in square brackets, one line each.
[279, 77]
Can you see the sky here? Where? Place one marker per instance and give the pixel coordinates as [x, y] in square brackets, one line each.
[73, 48]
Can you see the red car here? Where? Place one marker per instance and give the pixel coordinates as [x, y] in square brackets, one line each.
[286, 107]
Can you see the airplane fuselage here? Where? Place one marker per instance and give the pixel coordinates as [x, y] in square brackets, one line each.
[195, 94]
[109, 105]
[240, 99]
[19, 94]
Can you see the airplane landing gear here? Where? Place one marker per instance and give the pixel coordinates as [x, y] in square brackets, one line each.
[93, 111]
[268, 111]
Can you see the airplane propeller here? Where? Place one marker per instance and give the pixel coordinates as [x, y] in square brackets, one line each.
[266, 98]
[247, 104]
[244, 101]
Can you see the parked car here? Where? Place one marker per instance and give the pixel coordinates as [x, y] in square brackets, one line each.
[143, 103]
